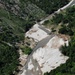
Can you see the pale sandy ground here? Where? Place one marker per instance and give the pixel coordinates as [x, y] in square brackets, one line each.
[49, 57]
[22, 58]
[36, 33]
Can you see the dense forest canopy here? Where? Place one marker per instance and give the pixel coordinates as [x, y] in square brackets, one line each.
[69, 67]
[67, 20]
[50, 5]
[8, 59]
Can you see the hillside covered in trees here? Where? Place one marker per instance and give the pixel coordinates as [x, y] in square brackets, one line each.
[17, 17]
[50, 5]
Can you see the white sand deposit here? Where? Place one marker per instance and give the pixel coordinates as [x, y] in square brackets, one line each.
[49, 57]
[36, 33]
[30, 65]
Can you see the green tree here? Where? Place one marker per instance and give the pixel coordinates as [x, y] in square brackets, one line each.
[8, 59]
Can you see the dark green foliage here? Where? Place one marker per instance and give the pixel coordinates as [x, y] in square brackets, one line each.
[28, 24]
[57, 18]
[67, 19]
[17, 17]
[24, 8]
[27, 50]
[66, 30]
[13, 25]
[12, 30]
[8, 59]
[50, 5]
[46, 22]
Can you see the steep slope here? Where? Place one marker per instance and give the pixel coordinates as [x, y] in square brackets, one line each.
[14, 22]
[16, 17]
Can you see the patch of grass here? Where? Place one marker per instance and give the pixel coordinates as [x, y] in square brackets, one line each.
[26, 50]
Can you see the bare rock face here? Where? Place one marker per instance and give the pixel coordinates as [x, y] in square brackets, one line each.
[46, 58]
[46, 55]
[34, 35]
